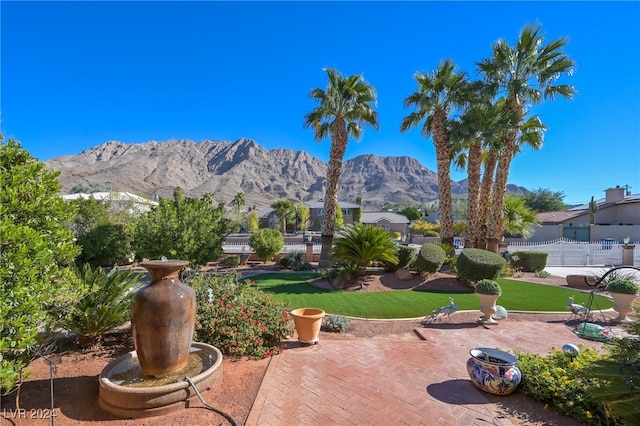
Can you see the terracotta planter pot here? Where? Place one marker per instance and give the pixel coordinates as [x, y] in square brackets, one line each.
[488, 307]
[163, 317]
[308, 322]
[622, 305]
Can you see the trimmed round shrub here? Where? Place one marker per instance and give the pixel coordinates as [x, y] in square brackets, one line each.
[529, 261]
[488, 287]
[476, 264]
[406, 258]
[430, 258]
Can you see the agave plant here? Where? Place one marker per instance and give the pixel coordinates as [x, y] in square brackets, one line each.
[104, 305]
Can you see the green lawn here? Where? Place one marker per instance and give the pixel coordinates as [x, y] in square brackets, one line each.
[294, 289]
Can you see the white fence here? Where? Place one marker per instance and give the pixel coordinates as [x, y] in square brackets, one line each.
[561, 252]
[564, 252]
[242, 247]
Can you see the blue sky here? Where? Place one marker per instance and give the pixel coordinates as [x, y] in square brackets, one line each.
[78, 74]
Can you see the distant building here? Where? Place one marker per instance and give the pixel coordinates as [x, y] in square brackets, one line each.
[390, 221]
[119, 201]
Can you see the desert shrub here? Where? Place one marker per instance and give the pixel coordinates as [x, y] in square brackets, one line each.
[477, 264]
[431, 233]
[561, 382]
[529, 261]
[430, 258]
[231, 261]
[363, 244]
[295, 262]
[267, 243]
[104, 304]
[36, 246]
[406, 259]
[336, 323]
[237, 317]
[541, 274]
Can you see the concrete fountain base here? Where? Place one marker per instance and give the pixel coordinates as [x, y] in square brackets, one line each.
[125, 392]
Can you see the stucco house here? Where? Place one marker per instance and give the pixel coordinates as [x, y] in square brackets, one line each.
[119, 201]
[316, 211]
[390, 221]
[617, 217]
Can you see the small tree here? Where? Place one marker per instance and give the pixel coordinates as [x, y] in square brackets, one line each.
[253, 221]
[339, 218]
[303, 217]
[36, 245]
[285, 211]
[266, 243]
[184, 228]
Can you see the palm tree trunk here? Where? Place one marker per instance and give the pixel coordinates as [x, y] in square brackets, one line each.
[443, 158]
[484, 201]
[474, 163]
[336, 154]
[499, 190]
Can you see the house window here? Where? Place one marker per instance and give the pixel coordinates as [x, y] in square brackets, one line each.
[319, 213]
[346, 212]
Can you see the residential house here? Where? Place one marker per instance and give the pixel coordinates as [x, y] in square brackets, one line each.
[390, 221]
[316, 211]
[617, 217]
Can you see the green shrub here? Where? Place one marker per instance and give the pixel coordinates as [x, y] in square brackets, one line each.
[406, 258]
[105, 245]
[36, 246]
[541, 274]
[104, 305]
[182, 228]
[363, 244]
[487, 287]
[232, 261]
[477, 264]
[336, 323]
[266, 242]
[560, 382]
[430, 258]
[529, 261]
[622, 286]
[295, 262]
[431, 234]
[237, 317]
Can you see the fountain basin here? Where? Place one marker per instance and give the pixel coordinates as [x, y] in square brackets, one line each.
[126, 392]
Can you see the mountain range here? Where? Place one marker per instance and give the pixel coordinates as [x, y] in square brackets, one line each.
[153, 169]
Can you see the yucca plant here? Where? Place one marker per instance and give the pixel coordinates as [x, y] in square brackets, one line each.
[104, 304]
[362, 244]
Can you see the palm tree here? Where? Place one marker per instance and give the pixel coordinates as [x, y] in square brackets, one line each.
[476, 130]
[345, 105]
[524, 74]
[284, 209]
[437, 94]
[238, 201]
[362, 244]
[518, 218]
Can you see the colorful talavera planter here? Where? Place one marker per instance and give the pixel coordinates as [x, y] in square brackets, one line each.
[493, 371]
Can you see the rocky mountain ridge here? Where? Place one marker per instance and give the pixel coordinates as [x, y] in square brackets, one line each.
[222, 168]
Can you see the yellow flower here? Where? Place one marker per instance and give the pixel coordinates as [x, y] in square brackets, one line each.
[589, 415]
